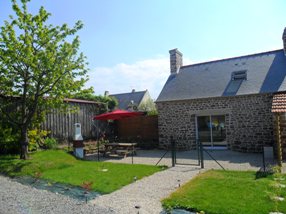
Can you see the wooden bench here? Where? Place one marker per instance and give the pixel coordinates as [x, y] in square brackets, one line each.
[91, 148]
[123, 152]
[120, 149]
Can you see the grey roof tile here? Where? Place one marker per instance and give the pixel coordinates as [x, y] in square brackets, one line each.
[124, 99]
[265, 73]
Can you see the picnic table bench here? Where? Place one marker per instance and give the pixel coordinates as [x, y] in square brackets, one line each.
[91, 148]
[120, 149]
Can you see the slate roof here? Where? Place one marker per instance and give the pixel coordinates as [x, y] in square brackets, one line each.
[279, 103]
[125, 98]
[265, 73]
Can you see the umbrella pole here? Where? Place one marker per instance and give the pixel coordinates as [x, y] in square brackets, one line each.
[132, 152]
[97, 141]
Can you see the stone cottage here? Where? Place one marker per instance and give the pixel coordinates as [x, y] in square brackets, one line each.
[224, 103]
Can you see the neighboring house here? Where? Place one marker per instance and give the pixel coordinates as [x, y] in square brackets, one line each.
[135, 100]
[225, 103]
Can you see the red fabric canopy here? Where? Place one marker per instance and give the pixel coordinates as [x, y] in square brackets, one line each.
[117, 115]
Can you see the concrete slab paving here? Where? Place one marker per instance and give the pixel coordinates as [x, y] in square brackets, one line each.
[224, 158]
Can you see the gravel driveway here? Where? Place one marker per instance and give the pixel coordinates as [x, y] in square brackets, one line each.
[143, 195]
[16, 198]
[146, 193]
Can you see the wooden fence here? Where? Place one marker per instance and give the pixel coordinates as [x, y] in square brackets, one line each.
[61, 125]
[142, 128]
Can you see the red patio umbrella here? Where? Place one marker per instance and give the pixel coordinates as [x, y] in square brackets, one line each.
[117, 115]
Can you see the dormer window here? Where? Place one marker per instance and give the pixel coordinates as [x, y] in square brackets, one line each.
[239, 75]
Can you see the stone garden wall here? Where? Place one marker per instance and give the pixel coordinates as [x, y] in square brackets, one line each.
[249, 121]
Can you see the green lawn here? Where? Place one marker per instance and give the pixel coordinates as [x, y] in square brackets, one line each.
[228, 192]
[59, 166]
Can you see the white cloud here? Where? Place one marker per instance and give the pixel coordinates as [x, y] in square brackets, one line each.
[148, 74]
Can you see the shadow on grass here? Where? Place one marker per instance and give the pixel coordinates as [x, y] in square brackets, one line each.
[64, 166]
[262, 174]
[11, 165]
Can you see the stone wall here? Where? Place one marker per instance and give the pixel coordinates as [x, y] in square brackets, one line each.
[249, 121]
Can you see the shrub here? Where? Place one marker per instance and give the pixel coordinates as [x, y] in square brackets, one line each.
[36, 139]
[50, 143]
[8, 141]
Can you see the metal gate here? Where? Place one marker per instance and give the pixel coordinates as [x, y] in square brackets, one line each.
[197, 156]
[191, 158]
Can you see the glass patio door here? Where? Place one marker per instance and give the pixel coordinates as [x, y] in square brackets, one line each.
[211, 130]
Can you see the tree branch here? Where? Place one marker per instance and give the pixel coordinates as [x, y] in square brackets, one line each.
[9, 117]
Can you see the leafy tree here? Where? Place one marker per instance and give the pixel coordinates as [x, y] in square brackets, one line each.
[40, 64]
[149, 106]
[88, 94]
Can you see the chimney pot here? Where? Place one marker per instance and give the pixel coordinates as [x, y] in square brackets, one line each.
[176, 60]
[284, 40]
[106, 93]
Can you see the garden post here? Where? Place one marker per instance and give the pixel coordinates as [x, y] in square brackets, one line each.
[132, 152]
[173, 147]
[97, 139]
[278, 139]
[202, 155]
[263, 159]
[198, 150]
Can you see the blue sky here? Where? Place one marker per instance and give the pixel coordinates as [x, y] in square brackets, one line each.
[127, 41]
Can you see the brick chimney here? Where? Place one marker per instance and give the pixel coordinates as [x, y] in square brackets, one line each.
[284, 41]
[176, 60]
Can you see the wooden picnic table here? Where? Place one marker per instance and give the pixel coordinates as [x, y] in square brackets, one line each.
[120, 149]
[92, 148]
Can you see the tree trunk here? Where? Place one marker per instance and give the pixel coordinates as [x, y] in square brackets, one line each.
[24, 142]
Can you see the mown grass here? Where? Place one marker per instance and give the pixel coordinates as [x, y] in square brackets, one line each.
[227, 192]
[59, 166]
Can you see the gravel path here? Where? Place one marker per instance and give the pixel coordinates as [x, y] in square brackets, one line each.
[147, 192]
[16, 198]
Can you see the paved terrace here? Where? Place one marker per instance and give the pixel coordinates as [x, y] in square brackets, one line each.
[227, 159]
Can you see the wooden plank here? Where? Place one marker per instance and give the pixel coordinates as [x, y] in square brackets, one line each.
[59, 130]
[279, 146]
[64, 125]
[58, 115]
[52, 123]
[84, 121]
